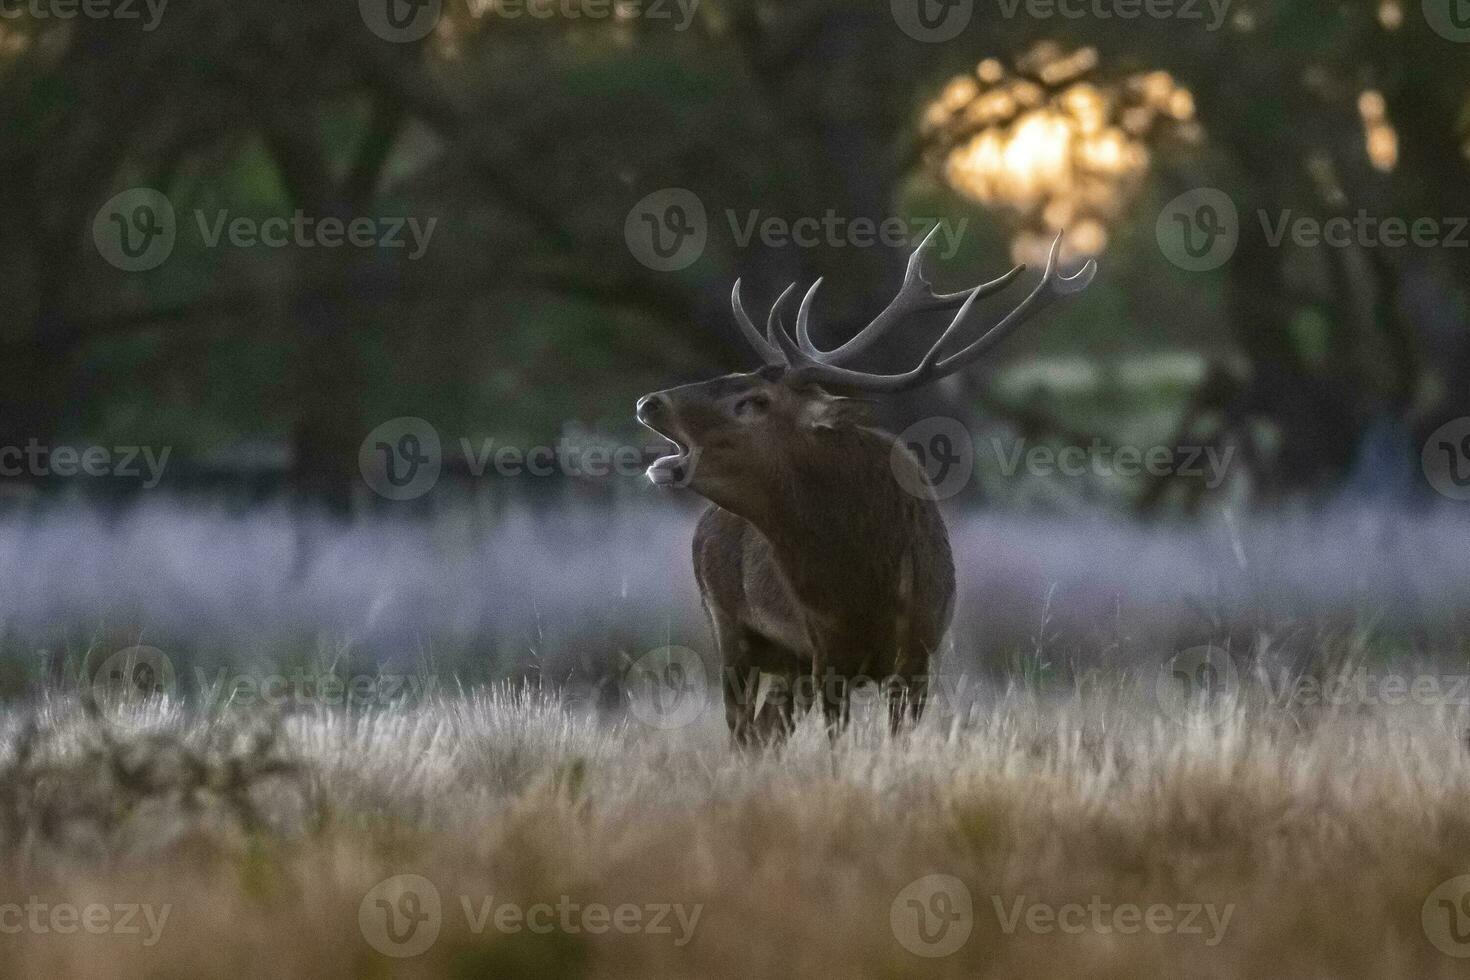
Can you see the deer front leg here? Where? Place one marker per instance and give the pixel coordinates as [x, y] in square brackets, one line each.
[907, 696]
[831, 687]
[775, 717]
[907, 690]
[755, 658]
[739, 681]
[741, 684]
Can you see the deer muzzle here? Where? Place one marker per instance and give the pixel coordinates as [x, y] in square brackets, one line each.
[656, 412]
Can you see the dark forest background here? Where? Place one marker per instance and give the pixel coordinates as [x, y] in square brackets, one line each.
[529, 140]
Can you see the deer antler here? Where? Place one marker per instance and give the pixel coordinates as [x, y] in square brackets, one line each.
[824, 367]
[766, 346]
[916, 295]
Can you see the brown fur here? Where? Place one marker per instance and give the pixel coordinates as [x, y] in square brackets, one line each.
[816, 565]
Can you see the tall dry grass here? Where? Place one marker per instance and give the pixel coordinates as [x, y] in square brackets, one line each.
[1307, 840]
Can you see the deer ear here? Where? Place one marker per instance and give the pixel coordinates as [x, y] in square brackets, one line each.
[826, 413]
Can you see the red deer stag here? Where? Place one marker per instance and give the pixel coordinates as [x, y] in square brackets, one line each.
[815, 563]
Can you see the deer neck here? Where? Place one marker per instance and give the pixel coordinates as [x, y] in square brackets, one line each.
[839, 523]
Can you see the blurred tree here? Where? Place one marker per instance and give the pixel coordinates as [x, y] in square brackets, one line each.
[529, 138]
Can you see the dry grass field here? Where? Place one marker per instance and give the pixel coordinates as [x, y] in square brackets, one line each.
[1101, 832]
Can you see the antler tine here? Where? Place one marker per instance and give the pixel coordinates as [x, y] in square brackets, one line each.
[803, 314]
[932, 366]
[775, 332]
[768, 352]
[914, 296]
[795, 356]
[1052, 285]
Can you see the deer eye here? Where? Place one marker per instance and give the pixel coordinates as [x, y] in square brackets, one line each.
[752, 405]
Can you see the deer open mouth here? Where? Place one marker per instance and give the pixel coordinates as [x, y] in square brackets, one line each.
[673, 468]
[656, 414]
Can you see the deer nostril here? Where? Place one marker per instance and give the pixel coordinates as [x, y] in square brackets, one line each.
[651, 407]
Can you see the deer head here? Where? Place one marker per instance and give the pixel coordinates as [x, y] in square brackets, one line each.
[741, 440]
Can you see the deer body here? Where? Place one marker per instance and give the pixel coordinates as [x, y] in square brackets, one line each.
[776, 607]
[824, 559]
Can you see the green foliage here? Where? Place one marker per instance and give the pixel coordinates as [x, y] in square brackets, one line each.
[528, 141]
